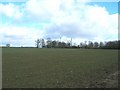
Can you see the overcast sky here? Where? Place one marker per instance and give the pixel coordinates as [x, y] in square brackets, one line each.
[21, 23]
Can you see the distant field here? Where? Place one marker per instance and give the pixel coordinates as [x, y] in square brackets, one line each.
[57, 68]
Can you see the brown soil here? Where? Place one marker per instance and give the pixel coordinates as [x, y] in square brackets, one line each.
[110, 82]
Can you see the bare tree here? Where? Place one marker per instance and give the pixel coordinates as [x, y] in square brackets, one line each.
[49, 43]
[81, 45]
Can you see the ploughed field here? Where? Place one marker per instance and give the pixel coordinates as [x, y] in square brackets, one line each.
[58, 68]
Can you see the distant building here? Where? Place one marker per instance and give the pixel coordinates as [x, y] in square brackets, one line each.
[40, 45]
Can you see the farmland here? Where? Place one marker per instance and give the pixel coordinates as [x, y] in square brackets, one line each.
[57, 68]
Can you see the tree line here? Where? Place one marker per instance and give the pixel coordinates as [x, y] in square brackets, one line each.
[101, 45]
[40, 43]
[52, 43]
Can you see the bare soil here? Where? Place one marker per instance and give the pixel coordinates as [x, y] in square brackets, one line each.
[110, 82]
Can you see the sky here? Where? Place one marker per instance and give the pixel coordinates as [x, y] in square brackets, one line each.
[24, 21]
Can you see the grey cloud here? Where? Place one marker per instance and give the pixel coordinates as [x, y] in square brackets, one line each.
[12, 37]
[68, 30]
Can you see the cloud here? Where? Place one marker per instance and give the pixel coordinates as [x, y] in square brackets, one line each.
[13, 0]
[58, 18]
[87, 22]
[20, 35]
[10, 10]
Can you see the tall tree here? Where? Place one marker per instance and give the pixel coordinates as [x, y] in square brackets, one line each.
[85, 44]
[81, 45]
[63, 44]
[49, 43]
[101, 45]
[96, 44]
[68, 44]
[90, 44]
[7, 45]
[43, 42]
[54, 44]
